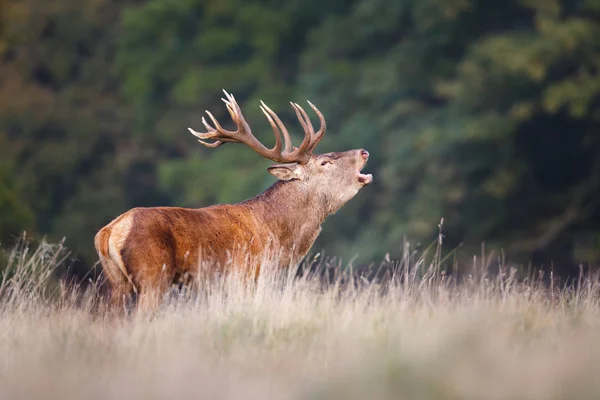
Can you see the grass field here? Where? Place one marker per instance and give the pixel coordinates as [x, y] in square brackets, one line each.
[417, 337]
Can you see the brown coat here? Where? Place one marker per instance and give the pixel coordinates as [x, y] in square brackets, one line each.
[146, 250]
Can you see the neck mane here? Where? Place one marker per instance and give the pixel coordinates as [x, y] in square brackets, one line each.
[290, 198]
[291, 211]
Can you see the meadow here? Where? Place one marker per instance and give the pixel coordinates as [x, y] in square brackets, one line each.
[419, 335]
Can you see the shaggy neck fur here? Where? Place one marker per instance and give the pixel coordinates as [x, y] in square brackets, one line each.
[292, 212]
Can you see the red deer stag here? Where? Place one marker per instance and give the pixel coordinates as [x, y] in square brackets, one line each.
[145, 250]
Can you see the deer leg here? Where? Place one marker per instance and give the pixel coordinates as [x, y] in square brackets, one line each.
[152, 292]
[152, 267]
[153, 286]
[148, 301]
[120, 296]
[121, 288]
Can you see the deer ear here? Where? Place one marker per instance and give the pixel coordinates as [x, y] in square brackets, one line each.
[286, 172]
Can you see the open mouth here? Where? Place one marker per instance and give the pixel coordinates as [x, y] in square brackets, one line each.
[364, 179]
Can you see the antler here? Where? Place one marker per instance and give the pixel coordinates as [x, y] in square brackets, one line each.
[243, 134]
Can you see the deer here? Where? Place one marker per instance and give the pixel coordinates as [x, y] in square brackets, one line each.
[146, 250]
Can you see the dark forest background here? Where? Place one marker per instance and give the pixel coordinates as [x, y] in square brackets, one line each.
[484, 113]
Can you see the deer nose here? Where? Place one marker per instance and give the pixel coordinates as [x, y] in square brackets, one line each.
[364, 154]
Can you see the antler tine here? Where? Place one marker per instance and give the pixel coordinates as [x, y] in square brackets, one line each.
[304, 120]
[211, 145]
[322, 129]
[234, 109]
[217, 126]
[314, 138]
[272, 117]
[276, 132]
[306, 125]
[209, 135]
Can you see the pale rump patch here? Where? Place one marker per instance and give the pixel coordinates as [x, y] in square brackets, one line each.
[118, 236]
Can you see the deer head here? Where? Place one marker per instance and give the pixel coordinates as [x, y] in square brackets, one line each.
[333, 177]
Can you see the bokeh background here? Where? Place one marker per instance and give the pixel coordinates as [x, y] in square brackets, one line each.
[485, 113]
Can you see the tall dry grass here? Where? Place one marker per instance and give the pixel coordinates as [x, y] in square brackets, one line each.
[420, 335]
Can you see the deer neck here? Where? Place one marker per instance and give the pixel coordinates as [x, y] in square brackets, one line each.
[293, 214]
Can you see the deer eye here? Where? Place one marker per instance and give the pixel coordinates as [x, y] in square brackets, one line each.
[325, 162]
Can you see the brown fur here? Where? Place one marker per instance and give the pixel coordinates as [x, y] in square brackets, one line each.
[146, 250]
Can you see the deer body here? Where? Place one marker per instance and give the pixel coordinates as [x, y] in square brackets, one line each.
[146, 250]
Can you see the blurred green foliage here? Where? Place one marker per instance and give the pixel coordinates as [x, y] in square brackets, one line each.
[483, 113]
